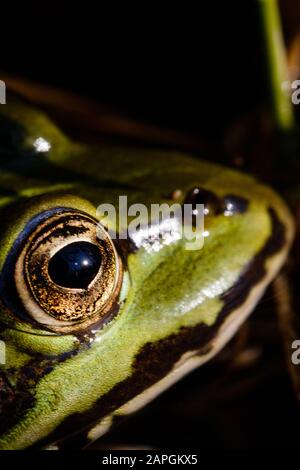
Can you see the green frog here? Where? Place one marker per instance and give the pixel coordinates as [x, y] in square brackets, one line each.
[96, 326]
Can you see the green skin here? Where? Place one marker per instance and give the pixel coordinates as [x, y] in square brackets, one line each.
[168, 297]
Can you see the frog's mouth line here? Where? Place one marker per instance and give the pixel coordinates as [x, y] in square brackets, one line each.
[183, 351]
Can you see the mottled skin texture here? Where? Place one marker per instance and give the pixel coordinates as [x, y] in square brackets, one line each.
[49, 379]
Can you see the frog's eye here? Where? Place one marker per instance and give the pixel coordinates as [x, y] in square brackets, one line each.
[67, 273]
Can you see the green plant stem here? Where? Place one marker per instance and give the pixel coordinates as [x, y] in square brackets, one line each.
[283, 114]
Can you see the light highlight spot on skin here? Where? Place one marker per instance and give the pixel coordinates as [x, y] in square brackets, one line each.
[41, 145]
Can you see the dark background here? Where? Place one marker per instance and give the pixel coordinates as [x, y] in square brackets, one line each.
[198, 68]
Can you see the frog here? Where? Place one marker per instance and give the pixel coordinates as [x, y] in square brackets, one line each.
[95, 326]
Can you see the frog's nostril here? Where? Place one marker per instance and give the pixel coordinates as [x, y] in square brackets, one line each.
[212, 204]
[230, 204]
[234, 205]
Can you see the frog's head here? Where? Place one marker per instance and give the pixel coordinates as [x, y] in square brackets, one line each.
[93, 327]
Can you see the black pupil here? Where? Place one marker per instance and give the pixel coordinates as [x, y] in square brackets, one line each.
[75, 265]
